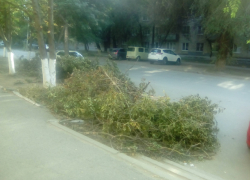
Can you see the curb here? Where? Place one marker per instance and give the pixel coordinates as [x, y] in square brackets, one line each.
[19, 95]
[168, 170]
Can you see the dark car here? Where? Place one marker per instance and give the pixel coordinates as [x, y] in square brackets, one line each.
[1, 44]
[118, 53]
[34, 46]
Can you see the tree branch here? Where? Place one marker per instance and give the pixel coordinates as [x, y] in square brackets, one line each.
[21, 7]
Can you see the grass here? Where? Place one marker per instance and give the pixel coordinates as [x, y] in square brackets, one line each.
[202, 60]
[206, 60]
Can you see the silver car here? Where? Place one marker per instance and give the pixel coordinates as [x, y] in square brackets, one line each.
[71, 53]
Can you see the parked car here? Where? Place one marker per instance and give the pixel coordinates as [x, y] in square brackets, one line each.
[1, 44]
[163, 55]
[34, 46]
[117, 53]
[248, 136]
[47, 47]
[71, 53]
[137, 53]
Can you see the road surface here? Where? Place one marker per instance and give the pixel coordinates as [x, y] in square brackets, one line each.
[233, 160]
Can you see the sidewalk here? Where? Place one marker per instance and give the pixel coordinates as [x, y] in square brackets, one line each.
[32, 149]
[234, 72]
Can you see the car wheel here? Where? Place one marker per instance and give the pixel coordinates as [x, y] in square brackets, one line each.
[138, 58]
[119, 58]
[165, 60]
[151, 62]
[178, 62]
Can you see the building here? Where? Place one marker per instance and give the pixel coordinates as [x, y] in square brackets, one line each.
[191, 41]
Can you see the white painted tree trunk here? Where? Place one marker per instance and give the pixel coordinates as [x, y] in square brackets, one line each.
[4, 52]
[46, 73]
[52, 70]
[11, 63]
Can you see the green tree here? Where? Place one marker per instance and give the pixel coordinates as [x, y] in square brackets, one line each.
[9, 18]
[223, 21]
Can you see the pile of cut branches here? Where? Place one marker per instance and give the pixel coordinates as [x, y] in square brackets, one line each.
[130, 118]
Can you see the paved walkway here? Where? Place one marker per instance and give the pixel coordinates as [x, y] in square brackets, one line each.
[32, 149]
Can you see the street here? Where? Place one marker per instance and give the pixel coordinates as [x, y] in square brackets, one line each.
[233, 159]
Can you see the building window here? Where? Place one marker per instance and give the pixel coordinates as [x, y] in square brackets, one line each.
[134, 32]
[146, 44]
[185, 46]
[146, 31]
[145, 18]
[236, 49]
[200, 30]
[156, 31]
[156, 44]
[185, 29]
[199, 47]
[170, 45]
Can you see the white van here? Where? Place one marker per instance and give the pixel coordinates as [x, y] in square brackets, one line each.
[137, 53]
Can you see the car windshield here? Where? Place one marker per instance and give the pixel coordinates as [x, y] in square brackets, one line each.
[156, 51]
[131, 49]
[166, 51]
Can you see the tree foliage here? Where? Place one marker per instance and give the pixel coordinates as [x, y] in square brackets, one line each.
[223, 21]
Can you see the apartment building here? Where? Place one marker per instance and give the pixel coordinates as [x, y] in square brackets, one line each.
[192, 41]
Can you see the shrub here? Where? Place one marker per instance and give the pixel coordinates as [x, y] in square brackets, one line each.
[66, 64]
[30, 67]
[130, 117]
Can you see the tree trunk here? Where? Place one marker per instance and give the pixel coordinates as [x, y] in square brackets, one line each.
[114, 42]
[42, 50]
[140, 34]
[153, 37]
[6, 36]
[107, 40]
[86, 46]
[210, 46]
[60, 36]
[66, 38]
[225, 43]
[52, 54]
[98, 46]
[4, 51]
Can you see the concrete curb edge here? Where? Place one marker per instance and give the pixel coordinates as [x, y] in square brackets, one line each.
[152, 166]
[27, 99]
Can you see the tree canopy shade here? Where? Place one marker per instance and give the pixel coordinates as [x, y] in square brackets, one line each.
[9, 21]
[126, 22]
[223, 21]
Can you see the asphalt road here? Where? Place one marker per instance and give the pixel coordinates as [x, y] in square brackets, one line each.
[233, 160]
